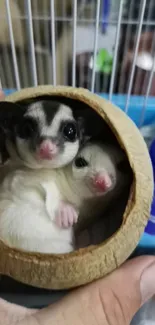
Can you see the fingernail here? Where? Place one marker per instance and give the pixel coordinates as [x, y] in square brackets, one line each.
[147, 283]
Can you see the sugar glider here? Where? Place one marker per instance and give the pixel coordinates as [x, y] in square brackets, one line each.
[94, 127]
[39, 207]
[43, 134]
[113, 159]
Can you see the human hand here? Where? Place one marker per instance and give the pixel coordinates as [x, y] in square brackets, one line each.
[112, 300]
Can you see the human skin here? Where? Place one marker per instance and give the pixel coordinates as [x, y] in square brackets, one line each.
[113, 300]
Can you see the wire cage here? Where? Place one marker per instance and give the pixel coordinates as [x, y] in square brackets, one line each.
[107, 46]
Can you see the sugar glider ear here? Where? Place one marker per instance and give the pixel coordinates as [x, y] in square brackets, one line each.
[9, 115]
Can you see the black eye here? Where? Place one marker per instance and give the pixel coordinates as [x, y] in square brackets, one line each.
[70, 131]
[26, 129]
[81, 162]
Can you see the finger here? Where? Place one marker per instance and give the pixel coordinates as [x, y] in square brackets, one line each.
[112, 300]
[130, 286]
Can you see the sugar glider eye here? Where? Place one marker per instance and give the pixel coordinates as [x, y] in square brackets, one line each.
[27, 128]
[70, 131]
[80, 162]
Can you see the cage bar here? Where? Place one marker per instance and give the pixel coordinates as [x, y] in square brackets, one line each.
[116, 49]
[139, 73]
[14, 57]
[148, 88]
[135, 54]
[95, 43]
[37, 33]
[45, 47]
[31, 37]
[53, 41]
[65, 45]
[74, 43]
[126, 47]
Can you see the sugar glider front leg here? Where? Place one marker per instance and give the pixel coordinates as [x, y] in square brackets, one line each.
[67, 215]
[52, 198]
[63, 213]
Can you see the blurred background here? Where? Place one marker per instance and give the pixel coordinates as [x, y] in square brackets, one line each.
[106, 46]
[85, 29]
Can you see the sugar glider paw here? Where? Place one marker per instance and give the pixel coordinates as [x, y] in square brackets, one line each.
[66, 216]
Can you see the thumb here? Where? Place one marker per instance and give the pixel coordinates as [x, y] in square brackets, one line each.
[110, 301]
[124, 291]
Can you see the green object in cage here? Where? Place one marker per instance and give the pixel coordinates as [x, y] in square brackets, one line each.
[104, 61]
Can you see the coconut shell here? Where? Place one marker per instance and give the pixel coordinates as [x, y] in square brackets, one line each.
[93, 262]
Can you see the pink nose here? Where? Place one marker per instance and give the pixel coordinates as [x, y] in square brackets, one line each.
[102, 182]
[47, 150]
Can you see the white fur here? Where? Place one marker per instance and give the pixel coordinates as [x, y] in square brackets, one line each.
[25, 223]
[29, 201]
[29, 158]
[64, 113]
[103, 158]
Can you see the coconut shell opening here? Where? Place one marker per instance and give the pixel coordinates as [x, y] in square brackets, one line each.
[112, 239]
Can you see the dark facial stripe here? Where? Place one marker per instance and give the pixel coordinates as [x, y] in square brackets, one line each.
[50, 109]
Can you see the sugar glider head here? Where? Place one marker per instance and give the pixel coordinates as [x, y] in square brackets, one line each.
[43, 134]
[97, 169]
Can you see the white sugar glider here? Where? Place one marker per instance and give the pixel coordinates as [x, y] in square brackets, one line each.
[114, 161]
[38, 208]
